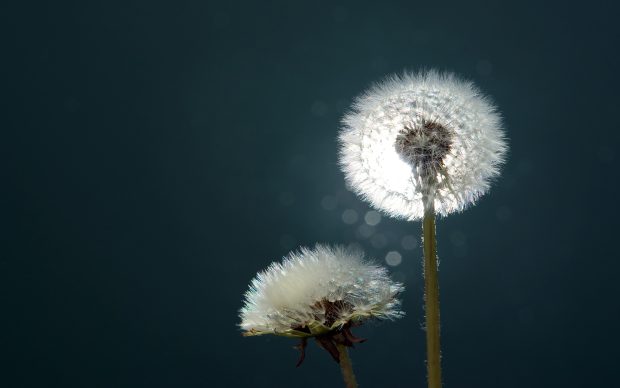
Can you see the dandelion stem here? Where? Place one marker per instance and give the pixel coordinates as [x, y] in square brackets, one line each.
[346, 367]
[431, 297]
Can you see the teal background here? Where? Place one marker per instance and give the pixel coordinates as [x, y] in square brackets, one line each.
[156, 155]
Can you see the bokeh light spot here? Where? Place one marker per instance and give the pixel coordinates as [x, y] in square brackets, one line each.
[372, 217]
[393, 258]
[378, 241]
[409, 242]
[365, 231]
[349, 217]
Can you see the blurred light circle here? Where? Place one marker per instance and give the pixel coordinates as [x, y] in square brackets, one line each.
[372, 217]
[409, 242]
[393, 258]
[349, 217]
[365, 231]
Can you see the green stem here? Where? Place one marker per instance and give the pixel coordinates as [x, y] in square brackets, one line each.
[346, 367]
[431, 297]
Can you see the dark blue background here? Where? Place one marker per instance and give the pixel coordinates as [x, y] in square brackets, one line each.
[156, 155]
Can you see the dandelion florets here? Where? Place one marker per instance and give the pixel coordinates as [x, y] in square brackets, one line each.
[313, 292]
[421, 139]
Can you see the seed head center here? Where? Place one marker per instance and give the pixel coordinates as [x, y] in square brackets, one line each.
[424, 145]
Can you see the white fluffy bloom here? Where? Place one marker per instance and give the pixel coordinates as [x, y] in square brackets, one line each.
[317, 291]
[421, 138]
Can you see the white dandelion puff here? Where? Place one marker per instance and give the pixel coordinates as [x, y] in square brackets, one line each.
[314, 292]
[423, 139]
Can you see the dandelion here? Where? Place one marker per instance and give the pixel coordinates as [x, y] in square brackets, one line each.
[421, 139]
[417, 145]
[320, 293]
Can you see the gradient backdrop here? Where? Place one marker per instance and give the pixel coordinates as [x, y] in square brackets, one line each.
[156, 155]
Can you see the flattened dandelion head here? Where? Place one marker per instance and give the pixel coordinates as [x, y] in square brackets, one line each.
[421, 139]
[321, 293]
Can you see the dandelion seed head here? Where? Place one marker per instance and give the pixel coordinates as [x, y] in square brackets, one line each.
[426, 137]
[314, 291]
